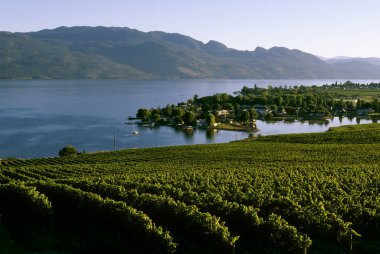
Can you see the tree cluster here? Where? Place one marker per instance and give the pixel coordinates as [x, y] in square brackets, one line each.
[249, 104]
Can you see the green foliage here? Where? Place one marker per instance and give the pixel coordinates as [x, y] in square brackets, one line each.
[272, 195]
[25, 218]
[304, 102]
[189, 118]
[76, 209]
[252, 114]
[178, 112]
[244, 116]
[20, 202]
[144, 114]
[155, 115]
[210, 119]
[68, 150]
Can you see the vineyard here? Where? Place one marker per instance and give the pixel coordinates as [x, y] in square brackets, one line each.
[309, 193]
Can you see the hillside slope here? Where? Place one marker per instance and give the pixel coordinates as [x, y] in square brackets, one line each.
[241, 197]
[114, 52]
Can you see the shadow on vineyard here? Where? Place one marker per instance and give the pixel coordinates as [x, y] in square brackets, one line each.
[302, 193]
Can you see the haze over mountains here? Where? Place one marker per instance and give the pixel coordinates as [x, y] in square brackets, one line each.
[112, 52]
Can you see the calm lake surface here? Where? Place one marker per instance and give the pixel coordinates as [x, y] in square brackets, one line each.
[38, 118]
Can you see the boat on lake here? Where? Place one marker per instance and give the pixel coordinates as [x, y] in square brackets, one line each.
[187, 127]
[151, 125]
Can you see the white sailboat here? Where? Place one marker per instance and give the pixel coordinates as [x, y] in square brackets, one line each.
[134, 132]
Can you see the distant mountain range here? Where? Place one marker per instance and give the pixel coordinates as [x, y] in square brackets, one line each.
[123, 53]
[345, 59]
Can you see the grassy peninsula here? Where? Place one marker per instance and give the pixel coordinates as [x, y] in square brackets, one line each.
[305, 193]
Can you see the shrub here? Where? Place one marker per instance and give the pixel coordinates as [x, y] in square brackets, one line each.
[68, 150]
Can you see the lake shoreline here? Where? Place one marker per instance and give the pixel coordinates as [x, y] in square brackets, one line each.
[41, 117]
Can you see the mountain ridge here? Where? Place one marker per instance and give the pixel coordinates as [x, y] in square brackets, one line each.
[119, 52]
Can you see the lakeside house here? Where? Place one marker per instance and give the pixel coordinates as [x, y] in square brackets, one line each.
[225, 116]
[202, 123]
[223, 113]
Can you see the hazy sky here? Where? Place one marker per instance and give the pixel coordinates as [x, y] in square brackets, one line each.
[322, 27]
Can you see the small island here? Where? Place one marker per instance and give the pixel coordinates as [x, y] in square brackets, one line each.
[239, 112]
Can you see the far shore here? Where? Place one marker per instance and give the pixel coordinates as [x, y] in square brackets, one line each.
[234, 127]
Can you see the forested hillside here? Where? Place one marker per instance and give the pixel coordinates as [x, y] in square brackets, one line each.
[114, 52]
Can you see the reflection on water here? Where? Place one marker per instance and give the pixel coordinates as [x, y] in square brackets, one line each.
[38, 118]
[286, 127]
[41, 137]
[210, 135]
[189, 135]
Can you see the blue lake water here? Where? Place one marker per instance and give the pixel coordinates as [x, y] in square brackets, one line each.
[38, 118]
